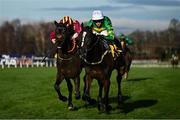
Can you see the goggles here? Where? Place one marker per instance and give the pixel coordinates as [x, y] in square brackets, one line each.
[96, 21]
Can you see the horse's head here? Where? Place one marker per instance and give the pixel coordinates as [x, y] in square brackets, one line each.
[88, 39]
[62, 32]
[63, 35]
[90, 43]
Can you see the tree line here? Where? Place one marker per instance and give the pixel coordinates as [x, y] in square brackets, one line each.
[33, 39]
[23, 39]
[157, 44]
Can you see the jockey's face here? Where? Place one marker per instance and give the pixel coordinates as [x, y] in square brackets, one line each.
[98, 22]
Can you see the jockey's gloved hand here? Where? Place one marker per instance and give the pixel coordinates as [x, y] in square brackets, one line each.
[101, 37]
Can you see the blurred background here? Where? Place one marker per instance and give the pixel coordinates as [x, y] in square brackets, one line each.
[153, 25]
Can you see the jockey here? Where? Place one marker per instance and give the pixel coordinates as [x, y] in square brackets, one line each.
[125, 41]
[101, 25]
[69, 22]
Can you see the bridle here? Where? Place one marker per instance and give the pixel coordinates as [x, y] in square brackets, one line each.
[61, 58]
[62, 42]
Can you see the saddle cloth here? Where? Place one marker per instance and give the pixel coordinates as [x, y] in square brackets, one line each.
[114, 50]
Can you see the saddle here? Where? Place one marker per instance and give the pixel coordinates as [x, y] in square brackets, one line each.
[115, 51]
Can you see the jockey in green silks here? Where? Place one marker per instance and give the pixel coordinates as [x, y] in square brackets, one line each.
[125, 41]
[101, 25]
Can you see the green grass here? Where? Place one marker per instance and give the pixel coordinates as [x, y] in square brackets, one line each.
[149, 92]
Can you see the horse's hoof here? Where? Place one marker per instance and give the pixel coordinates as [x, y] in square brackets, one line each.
[63, 98]
[70, 107]
[104, 108]
[109, 108]
[120, 106]
[84, 97]
[92, 101]
[77, 96]
[101, 107]
[120, 99]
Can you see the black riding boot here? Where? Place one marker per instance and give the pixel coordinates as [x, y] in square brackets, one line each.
[118, 45]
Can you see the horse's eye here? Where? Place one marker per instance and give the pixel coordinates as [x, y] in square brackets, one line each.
[63, 29]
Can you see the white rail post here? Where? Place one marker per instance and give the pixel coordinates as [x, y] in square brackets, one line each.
[46, 63]
[20, 64]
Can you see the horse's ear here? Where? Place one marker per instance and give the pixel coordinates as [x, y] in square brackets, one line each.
[82, 25]
[55, 22]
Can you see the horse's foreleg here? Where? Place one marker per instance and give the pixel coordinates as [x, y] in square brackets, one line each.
[119, 96]
[86, 94]
[126, 66]
[84, 89]
[57, 88]
[130, 61]
[106, 95]
[99, 99]
[70, 89]
[77, 87]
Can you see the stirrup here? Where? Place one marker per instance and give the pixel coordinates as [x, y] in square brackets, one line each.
[116, 54]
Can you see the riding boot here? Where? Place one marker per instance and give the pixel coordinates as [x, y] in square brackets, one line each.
[119, 47]
[115, 51]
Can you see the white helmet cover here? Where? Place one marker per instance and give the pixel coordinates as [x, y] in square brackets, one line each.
[97, 15]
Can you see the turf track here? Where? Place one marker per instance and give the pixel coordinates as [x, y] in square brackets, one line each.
[148, 93]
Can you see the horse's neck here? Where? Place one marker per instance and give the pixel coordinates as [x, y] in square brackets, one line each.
[97, 52]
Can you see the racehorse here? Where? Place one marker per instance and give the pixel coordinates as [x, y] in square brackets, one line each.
[68, 62]
[127, 56]
[99, 65]
[174, 61]
[128, 60]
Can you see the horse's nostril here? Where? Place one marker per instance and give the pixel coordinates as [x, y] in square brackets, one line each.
[59, 36]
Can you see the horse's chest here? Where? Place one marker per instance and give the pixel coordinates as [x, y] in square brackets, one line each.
[95, 73]
[69, 70]
[66, 71]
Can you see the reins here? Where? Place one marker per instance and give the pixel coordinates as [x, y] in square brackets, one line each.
[73, 47]
[61, 58]
[98, 62]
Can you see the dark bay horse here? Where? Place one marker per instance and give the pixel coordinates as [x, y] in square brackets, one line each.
[128, 60]
[68, 62]
[99, 65]
[127, 56]
[174, 61]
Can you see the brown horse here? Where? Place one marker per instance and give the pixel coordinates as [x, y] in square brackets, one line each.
[68, 62]
[128, 60]
[99, 64]
[127, 56]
